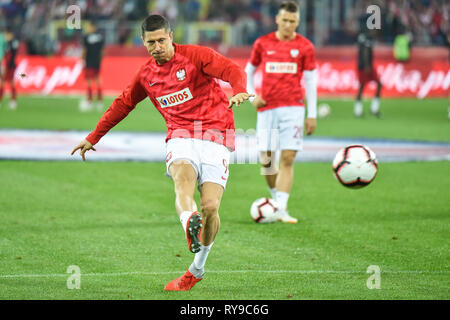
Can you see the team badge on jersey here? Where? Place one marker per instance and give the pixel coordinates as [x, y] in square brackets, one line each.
[181, 74]
[294, 53]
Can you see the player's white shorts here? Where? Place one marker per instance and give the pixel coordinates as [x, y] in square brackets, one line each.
[209, 159]
[280, 129]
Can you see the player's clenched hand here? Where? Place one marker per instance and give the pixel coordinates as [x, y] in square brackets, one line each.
[239, 98]
[259, 102]
[310, 125]
[83, 146]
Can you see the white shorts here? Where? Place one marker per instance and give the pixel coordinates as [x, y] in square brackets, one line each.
[209, 159]
[280, 129]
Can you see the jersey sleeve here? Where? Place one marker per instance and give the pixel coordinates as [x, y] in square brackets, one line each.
[119, 109]
[215, 65]
[255, 56]
[309, 59]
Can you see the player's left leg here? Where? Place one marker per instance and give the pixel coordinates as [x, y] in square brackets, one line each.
[210, 197]
[269, 170]
[267, 133]
[284, 184]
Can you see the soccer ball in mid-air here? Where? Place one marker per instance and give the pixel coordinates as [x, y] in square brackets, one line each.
[355, 166]
[264, 210]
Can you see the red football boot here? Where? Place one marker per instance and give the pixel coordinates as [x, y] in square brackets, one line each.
[183, 283]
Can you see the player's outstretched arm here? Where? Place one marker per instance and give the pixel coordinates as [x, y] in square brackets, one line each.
[83, 146]
[239, 98]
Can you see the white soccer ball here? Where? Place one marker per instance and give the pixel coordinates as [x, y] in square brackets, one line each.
[264, 210]
[323, 110]
[355, 166]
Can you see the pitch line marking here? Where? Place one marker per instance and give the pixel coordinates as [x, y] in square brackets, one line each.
[116, 274]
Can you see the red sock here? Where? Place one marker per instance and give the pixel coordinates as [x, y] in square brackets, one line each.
[1, 93]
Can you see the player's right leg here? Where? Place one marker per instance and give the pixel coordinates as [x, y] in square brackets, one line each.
[269, 170]
[375, 105]
[284, 184]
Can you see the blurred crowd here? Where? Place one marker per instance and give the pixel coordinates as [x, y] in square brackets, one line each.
[426, 20]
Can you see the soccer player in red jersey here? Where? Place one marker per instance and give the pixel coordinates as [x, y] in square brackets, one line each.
[367, 73]
[180, 80]
[93, 43]
[285, 57]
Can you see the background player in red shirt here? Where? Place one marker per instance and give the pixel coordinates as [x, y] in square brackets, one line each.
[180, 80]
[285, 57]
[366, 71]
[93, 43]
[11, 49]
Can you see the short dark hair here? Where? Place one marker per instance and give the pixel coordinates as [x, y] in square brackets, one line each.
[289, 6]
[155, 22]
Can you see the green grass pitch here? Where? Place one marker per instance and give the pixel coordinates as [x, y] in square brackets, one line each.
[117, 223]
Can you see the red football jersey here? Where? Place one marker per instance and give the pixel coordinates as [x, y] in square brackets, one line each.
[186, 92]
[283, 63]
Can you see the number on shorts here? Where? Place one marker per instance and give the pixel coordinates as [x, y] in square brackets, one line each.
[224, 162]
[225, 165]
[298, 132]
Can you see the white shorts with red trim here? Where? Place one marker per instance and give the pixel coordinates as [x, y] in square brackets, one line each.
[280, 129]
[210, 160]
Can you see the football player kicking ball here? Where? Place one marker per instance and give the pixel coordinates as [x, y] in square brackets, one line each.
[285, 57]
[180, 80]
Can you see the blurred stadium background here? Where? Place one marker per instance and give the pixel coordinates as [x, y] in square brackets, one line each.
[49, 51]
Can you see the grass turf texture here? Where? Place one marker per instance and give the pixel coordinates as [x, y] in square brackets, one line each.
[402, 118]
[116, 221]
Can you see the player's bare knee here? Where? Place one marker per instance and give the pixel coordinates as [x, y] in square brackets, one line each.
[210, 208]
[287, 160]
[182, 172]
[266, 163]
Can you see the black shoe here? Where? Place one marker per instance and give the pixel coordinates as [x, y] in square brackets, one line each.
[193, 232]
